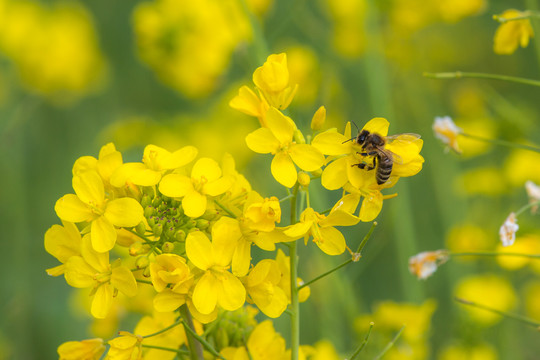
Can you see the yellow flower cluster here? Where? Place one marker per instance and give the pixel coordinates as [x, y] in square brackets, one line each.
[195, 221]
[189, 43]
[54, 49]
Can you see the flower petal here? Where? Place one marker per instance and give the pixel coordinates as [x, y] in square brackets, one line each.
[168, 300]
[124, 212]
[339, 218]
[331, 142]
[262, 141]
[307, 157]
[175, 185]
[332, 241]
[280, 125]
[247, 102]
[103, 234]
[241, 258]
[377, 125]
[78, 273]
[194, 204]
[233, 294]
[123, 280]
[180, 157]
[70, 208]
[102, 301]
[199, 250]
[205, 294]
[334, 175]
[283, 170]
[371, 206]
[89, 188]
[206, 168]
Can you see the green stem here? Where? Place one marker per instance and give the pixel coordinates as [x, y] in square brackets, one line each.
[526, 207]
[295, 307]
[194, 340]
[355, 354]
[501, 142]
[146, 240]
[525, 15]
[231, 214]
[517, 317]
[144, 281]
[163, 330]
[355, 258]
[390, 344]
[178, 351]
[285, 198]
[459, 74]
[494, 253]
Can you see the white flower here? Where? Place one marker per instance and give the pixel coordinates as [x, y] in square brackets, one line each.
[533, 191]
[425, 263]
[447, 131]
[507, 232]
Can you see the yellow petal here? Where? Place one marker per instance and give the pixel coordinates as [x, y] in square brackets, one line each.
[371, 207]
[273, 76]
[205, 293]
[247, 102]
[207, 168]
[334, 175]
[70, 208]
[84, 163]
[306, 157]
[175, 185]
[123, 280]
[168, 300]
[98, 261]
[102, 301]
[124, 212]
[348, 203]
[63, 242]
[225, 235]
[241, 259]
[377, 125]
[283, 170]
[180, 157]
[194, 204]
[78, 273]
[339, 218]
[298, 230]
[332, 242]
[199, 250]
[109, 161]
[56, 271]
[281, 126]
[331, 142]
[262, 141]
[202, 318]
[233, 294]
[103, 234]
[89, 188]
[219, 186]
[274, 305]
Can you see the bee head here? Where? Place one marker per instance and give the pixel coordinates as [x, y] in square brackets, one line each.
[362, 136]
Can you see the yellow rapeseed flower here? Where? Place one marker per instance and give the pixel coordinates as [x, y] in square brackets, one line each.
[90, 349]
[278, 140]
[172, 338]
[512, 33]
[62, 242]
[91, 204]
[125, 346]
[262, 287]
[272, 79]
[172, 279]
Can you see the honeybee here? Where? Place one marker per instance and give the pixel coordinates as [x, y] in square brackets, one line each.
[383, 159]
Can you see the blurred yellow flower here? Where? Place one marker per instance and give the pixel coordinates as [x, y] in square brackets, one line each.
[518, 169]
[532, 294]
[512, 33]
[468, 237]
[489, 290]
[189, 44]
[304, 70]
[475, 352]
[455, 10]
[525, 244]
[348, 20]
[480, 126]
[172, 338]
[54, 48]
[90, 349]
[325, 350]
[264, 343]
[482, 180]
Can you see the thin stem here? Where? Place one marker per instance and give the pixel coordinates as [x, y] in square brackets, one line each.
[163, 330]
[146, 240]
[357, 351]
[524, 15]
[355, 258]
[194, 340]
[494, 253]
[178, 351]
[231, 214]
[390, 344]
[526, 207]
[501, 142]
[144, 281]
[295, 307]
[285, 198]
[459, 74]
[517, 317]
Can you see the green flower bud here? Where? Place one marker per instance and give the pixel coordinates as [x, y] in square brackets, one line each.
[157, 229]
[146, 200]
[180, 235]
[152, 221]
[202, 224]
[156, 202]
[222, 338]
[146, 271]
[299, 137]
[149, 211]
[167, 247]
[141, 228]
[210, 214]
[142, 262]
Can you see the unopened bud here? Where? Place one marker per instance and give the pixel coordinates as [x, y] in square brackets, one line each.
[146, 271]
[167, 247]
[303, 179]
[142, 262]
[317, 122]
[316, 173]
[202, 224]
[180, 235]
[157, 229]
[299, 137]
[156, 202]
[146, 200]
[210, 214]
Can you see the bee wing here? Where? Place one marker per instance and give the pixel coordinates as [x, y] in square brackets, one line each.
[392, 155]
[407, 137]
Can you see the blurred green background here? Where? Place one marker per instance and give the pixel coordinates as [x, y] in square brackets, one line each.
[75, 75]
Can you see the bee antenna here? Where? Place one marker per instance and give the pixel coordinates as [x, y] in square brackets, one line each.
[348, 140]
[356, 126]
